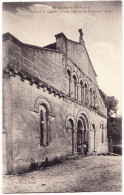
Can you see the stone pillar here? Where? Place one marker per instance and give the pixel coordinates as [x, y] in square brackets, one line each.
[69, 90]
[83, 94]
[77, 89]
[51, 130]
[94, 141]
[45, 127]
[88, 138]
[87, 97]
[94, 99]
[89, 141]
[72, 89]
[79, 92]
[87, 135]
[75, 141]
[90, 98]
[73, 144]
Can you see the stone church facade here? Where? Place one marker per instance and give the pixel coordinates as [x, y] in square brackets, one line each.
[51, 102]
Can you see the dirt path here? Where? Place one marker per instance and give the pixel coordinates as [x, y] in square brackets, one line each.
[92, 174]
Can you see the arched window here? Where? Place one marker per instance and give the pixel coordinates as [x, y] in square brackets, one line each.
[102, 127]
[81, 90]
[94, 98]
[75, 86]
[90, 97]
[43, 125]
[69, 81]
[86, 94]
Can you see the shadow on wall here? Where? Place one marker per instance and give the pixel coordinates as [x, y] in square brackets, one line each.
[43, 165]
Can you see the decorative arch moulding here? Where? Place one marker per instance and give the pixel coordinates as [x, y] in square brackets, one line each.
[79, 79]
[36, 110]
[81, 71]
[13, 71]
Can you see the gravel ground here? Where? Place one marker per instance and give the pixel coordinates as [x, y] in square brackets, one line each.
[91, 174]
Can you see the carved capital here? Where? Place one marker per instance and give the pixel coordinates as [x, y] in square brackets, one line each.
[31, 81]
[23, 77]
[34, 109]
[44, 89]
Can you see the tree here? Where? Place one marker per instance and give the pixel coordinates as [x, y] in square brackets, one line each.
[114, 124]
[114, 127]
[110, 102]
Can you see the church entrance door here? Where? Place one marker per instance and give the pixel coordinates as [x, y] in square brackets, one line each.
[70, 138]
[82, 132]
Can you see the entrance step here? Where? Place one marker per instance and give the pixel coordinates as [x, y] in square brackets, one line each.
[73, 157]
[80, 156]
[91, 153]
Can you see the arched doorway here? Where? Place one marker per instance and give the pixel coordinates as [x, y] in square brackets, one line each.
[82, 131]
[70, 137]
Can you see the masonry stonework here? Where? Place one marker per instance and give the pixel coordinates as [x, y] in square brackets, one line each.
[51, 103]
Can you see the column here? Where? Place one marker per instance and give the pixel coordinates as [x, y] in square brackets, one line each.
[75, 141]
[51, 129]
[45, 128]
[89, 141]
[77, 91]
[72, 89]
[94, 141]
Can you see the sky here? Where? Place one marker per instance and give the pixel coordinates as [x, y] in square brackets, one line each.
[38, 23]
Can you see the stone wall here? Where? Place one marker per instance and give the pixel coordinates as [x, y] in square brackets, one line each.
[21, 119]
[77, 53]
[25, 139]
[37, 62]
[49, 65]
[23, 135]
[7, 123]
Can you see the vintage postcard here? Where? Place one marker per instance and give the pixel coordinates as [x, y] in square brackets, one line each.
[62, 96]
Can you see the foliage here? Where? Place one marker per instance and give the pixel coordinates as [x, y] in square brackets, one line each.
[114, 124]
[114, 127]
[110, 102]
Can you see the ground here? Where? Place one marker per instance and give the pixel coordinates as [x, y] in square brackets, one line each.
[91, 174]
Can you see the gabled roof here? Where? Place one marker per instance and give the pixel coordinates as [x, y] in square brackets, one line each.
[8, 36]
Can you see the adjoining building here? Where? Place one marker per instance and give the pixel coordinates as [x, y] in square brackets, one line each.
[51, 102]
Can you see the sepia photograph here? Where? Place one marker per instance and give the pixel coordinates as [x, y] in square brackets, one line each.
[61, 96]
